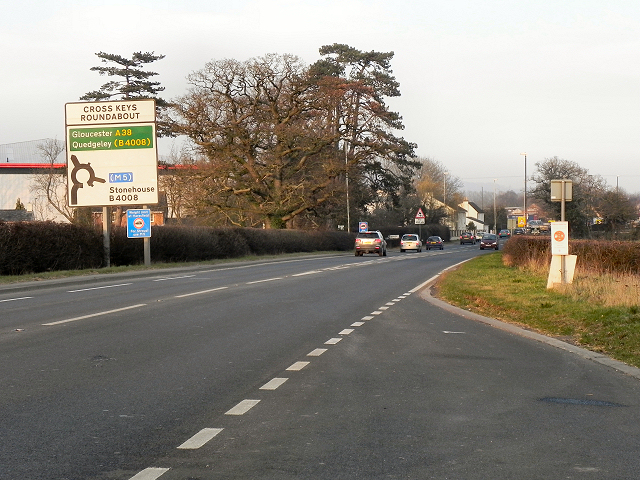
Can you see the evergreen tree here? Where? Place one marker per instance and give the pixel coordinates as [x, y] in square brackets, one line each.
[133, 82]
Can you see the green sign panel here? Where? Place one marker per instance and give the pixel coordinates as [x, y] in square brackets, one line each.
[110, 138]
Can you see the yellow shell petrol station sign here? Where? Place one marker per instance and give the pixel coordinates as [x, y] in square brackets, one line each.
[112, 157]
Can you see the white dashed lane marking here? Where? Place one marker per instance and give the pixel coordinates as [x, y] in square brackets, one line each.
[14, 299]
[94, 315]
[317, 352]
[243, 407]
[357, 324]
[346, 331]
[201, 292]
[200, 438]
[150, 473]
[297, 366]
[332, 341]
[99, 288]
[273, 383]
[265, 280]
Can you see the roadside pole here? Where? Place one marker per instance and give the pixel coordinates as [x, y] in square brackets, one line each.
[147, 247]
[106, 235]
[562, 264]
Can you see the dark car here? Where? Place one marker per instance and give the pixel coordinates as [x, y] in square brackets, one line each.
[489, 240]
[519, 231]
[434, 242]
[467, 237]
[371, 242]
[504, 233]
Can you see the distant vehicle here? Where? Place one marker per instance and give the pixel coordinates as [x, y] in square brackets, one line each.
[489, 240]
[504, 233]
[410, 241]
[434, 242]
[537, 227]
[467, 237]
[371, 242]
[519, 231]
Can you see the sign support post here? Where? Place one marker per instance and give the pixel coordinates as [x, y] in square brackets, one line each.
[147, 248]
[106, 235]
[420, 220]
[561, 261]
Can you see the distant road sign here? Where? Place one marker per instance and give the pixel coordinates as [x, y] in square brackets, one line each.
[138, 223]
[420, 213]
[363, 227]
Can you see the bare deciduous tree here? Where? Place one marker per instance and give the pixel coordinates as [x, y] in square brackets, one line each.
[50, 186]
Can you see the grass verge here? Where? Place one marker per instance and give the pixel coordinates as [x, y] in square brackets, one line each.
[485, 286]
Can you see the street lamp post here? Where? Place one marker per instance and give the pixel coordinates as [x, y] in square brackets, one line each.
[525, 190]
[444, 197]
[495, 228]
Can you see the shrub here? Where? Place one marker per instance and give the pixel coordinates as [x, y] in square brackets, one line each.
[595, 256]
[34, 247]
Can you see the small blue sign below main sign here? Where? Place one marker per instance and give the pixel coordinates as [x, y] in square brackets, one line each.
[138, 223]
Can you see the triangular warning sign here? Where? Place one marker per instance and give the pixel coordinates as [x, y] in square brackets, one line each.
[419, 214]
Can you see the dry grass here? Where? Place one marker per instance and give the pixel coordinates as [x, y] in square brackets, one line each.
[609, 290]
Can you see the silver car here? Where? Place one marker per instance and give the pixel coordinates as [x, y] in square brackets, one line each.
[410, 241]
[371, 242]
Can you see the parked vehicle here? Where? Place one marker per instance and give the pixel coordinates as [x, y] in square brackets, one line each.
[467, 237]
[410, 241]
[371, 242]
[489, 240]
[519, 231]
[434, 242]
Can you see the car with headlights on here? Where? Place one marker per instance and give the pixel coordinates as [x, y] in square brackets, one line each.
[434, 242]
[371, 242]
[489, 240]
[410, 241]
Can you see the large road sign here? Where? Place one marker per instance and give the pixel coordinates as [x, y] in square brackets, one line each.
[112, 157]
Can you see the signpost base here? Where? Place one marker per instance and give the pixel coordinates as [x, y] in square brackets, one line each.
[561, 270]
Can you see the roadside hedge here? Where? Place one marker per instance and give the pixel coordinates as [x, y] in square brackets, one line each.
[34, 247]
[598, 256]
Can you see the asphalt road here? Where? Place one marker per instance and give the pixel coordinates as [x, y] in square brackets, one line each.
[330, 367]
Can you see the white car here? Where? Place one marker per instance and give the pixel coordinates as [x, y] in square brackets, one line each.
[410, 241]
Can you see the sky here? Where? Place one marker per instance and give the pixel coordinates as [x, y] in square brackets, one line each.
[482, 81]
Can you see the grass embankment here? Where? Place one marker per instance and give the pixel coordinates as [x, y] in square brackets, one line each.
[588, 313]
